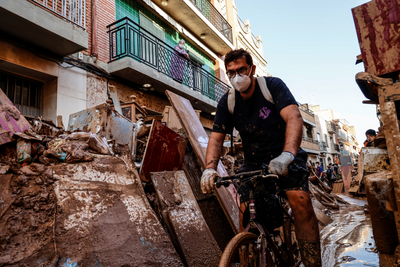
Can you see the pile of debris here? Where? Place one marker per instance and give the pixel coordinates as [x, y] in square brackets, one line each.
[109, 191]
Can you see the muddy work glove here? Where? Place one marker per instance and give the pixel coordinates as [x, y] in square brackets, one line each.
[279, 165]
[208, 180]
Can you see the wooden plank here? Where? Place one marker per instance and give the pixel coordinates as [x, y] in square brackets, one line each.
[195, 238]
[60, 121]
[322, 217]
[164, 151]
[193, 173]
[210, 207]
[392, 133]
[337, 188]
[114, 96]
[198, 138]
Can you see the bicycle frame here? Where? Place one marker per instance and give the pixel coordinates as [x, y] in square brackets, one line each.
[265, 238]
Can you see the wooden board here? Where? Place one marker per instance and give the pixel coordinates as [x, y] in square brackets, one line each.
[194, 237]
[337, 188]
[377, 25]
[392, 133]
[199, 141]
[322, 217]
[210, 207]
[164, 151]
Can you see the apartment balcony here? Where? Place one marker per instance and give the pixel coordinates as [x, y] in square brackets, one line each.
[307, 114]
[331, 127]
[336, 147]
[344, 152]
[323, 147]
[342, 136]
[55, 26]
[201, 17]
[140, 57]
[310, 145]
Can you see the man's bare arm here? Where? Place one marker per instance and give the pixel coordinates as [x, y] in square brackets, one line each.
[214, 149]
[294, 128]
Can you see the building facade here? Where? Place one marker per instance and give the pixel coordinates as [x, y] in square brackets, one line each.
[338, 133]
[246, 39]
[61, 57]
[309, 140]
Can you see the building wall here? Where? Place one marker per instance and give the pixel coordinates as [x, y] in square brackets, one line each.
[64, 90]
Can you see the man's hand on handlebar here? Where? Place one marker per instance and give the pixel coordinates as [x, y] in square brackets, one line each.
[207, 180]
[279, 165]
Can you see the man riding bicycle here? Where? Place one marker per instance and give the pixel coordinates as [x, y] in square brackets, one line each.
[270, 125]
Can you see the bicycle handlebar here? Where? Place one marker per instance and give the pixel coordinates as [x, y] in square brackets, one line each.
[225, 181]
[298, 175]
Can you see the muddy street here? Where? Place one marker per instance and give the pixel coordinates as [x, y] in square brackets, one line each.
[348, 240]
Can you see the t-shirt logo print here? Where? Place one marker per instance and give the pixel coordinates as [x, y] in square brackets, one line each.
[264, 112]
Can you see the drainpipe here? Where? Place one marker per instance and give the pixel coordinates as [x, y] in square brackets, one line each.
[94, 30]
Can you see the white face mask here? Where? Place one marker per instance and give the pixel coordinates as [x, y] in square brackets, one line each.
[181, 45]
[241, 83]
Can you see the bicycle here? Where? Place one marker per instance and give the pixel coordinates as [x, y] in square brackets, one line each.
[267, 240]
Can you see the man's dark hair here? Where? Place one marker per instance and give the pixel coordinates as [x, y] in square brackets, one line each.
[236, 54]
[317, 162]
[370, 132]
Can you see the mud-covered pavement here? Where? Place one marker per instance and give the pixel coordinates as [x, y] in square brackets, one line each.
[348, 240]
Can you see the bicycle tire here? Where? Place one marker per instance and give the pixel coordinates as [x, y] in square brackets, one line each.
[232, 249]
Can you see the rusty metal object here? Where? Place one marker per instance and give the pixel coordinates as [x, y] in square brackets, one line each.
[199, 141]
[11, 120]
[164, 151]
[195, 238]
[105, 122]
[377, 25]
[383, 222]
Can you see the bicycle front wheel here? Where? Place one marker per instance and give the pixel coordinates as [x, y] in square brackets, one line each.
[242, 250]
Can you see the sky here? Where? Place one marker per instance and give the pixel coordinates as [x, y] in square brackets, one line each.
[312, 46]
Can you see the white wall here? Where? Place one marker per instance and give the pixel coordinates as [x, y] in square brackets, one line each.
[71, 93]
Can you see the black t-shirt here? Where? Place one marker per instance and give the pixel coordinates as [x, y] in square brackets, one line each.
[259, 123]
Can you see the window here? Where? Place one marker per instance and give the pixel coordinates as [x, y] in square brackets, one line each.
[25, 94]
[326, 140]
[309, 131]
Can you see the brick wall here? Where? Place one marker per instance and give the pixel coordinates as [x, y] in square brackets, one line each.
[105, 10]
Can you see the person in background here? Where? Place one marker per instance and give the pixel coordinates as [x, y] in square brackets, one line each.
[330, 173]
[178, 63]
[370, 134]
[318, 169]
[335, 169]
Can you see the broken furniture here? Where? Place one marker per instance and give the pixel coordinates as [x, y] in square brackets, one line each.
[165, 150]
[105, 122]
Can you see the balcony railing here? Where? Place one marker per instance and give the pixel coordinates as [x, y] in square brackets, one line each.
[306, 109]
[341, 134]
[344, 153]
[71, 10]
[323, 146]
[331, 127]
[129, 39]
[309, 139]
[213, 15]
